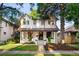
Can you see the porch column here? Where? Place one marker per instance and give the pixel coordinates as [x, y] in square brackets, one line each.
[26, 37]
[55, 37]
[34, 35]
[45, 38]
[52, 35]
[44, 35]
[21, 37]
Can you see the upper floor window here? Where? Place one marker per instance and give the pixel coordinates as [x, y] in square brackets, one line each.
[42, 22]
[27, 22]
[34, 22]
[24, 22]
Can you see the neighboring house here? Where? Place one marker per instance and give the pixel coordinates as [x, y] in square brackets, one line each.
[37, 29]
[70, 35]
[6, 30]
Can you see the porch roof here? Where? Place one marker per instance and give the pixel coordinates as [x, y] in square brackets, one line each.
[38, 29]
[72, 29]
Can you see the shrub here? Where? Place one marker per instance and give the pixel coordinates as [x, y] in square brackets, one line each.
[29, 43]
[77, 34]
[30, 38]
[49, 39]
[10, 40]
[16, 36]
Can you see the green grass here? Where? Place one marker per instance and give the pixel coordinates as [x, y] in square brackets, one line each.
[7, 46]
[61, 54]
[34, 54]
[76, 46]
[16, 54]
[26, 47]
[19, 47]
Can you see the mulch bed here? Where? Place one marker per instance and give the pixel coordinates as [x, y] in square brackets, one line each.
[59, 47]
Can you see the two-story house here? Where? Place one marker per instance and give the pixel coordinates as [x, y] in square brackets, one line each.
[6, 30]
[42, 29]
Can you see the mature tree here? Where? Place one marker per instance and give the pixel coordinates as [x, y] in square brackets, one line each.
[72, 13]
[9, 12]
[62, 21]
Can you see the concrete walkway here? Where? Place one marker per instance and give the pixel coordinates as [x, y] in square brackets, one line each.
[35, 52]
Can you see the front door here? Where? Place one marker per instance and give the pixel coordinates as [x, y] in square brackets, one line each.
[40, 35]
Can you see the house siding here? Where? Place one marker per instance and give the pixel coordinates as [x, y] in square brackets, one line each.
[6, 31]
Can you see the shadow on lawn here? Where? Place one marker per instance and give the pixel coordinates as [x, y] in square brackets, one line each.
[59, 47]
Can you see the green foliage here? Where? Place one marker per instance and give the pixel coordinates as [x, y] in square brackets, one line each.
[35, 15]
[45, 10]
[49, 39]
[72, 13]
[30, 38]
[10, 41]
[16, 37]
[77, 34]
[30, 43]
[10, 12]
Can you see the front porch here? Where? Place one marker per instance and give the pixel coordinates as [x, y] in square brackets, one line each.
[35, 36]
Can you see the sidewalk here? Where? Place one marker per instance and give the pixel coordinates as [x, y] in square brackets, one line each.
[35, 52]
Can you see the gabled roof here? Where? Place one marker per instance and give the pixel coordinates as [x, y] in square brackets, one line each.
[24, 16]
[9, 22]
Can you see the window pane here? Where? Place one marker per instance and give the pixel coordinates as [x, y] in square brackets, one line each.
[34, 22]
[24, 22]
[42, 22]
[27, 22]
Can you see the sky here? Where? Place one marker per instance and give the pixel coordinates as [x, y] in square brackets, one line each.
[26, 9]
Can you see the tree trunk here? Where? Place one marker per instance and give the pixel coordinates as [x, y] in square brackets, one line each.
[62, 23]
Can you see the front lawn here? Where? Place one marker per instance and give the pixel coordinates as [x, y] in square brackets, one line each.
[75, 45]
[18, 47]
[16, 54]
[39, 55]
[26, 47]
[7, 46]
[61, 54]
